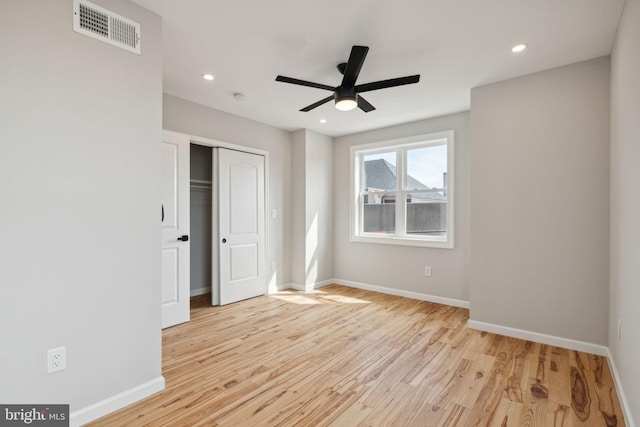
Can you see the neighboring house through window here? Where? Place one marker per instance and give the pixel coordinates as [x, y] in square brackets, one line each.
[402, 191]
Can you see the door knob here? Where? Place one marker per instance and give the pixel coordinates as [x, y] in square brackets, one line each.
[224, 240]
[183, 238]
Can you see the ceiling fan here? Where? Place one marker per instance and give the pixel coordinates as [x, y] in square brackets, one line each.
[347, 95]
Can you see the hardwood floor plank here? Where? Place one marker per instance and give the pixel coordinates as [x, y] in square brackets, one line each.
[347, 357]
[387, 404]
[560, 377]
[507, 413]
[456, 416]
[486, 404]
[435, 355]
[474, 381]
[355, 415]
[390, 381]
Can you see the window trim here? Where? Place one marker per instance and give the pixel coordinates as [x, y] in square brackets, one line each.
[357, 153]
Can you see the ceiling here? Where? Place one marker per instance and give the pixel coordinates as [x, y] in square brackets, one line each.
[454, 45]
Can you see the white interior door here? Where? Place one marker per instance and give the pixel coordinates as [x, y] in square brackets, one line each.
[175, 229]
[241, 238]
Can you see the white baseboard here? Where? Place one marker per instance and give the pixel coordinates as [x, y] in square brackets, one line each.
[571, 344]
[282, 287]
[309, 286]
[113, 403]
[324, 283]
[199, 291]
[299, 287]
[622, 397]
[403, 293]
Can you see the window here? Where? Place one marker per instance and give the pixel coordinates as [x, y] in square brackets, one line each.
[402, 191]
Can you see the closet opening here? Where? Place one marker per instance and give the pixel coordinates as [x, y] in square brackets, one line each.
[227, 224]
[201, 189]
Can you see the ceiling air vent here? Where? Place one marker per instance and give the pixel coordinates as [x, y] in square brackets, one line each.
[102, 24]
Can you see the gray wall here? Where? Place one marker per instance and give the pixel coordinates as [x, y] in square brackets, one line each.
[625, 204]
[194, 119]
[402, 267]
[542, 140]
[298, 206]
[312, 208]
[80, 125]
[319, 208]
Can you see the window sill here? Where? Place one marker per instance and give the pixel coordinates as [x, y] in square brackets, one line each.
[404, 241]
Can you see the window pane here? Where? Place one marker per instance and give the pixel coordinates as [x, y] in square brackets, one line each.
[379, 217]
[426, 214]
[379, 172]
[427, 167]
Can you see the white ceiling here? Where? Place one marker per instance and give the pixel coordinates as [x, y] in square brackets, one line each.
[454, 45]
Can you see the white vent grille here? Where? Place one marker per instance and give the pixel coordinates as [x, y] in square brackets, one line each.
[101, 24]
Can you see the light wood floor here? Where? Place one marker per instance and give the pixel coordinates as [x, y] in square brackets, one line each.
[348, 357]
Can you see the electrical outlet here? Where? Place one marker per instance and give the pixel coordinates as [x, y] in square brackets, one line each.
[56, 359]
[427, 271]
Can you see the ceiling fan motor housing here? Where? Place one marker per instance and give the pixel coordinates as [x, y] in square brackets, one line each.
[343, 93]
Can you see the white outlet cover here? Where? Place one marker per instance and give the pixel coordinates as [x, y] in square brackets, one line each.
[56, 359]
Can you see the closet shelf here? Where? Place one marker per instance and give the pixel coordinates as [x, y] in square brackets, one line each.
[200, 181]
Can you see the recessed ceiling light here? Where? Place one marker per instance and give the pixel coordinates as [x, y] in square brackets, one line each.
[207, 76]
[323, 120]
[519, 48]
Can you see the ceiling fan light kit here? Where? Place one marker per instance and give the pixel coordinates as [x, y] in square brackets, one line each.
[346, 104]
[346, 98]
[347, 94]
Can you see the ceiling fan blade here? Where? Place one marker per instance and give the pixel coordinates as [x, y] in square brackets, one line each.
[364, 105]
[382, 84]
[304, 83]
[317, 104]
[352, 70]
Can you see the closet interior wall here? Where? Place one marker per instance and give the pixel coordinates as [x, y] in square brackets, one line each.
[201, 198]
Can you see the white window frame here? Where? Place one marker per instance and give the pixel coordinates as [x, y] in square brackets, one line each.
[400, 145]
